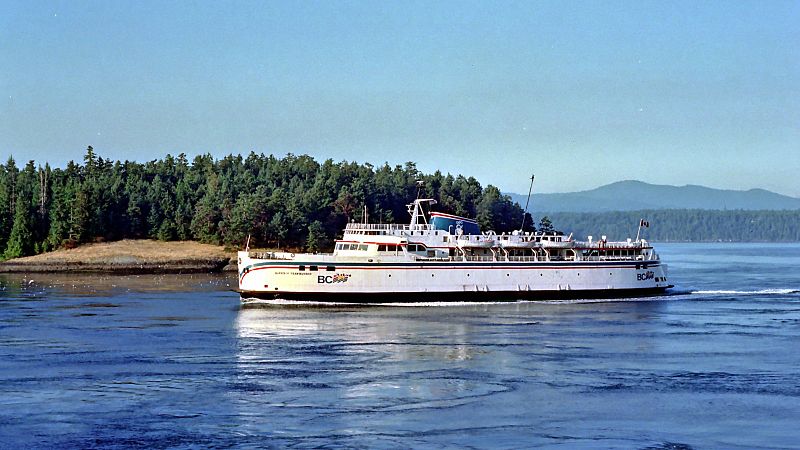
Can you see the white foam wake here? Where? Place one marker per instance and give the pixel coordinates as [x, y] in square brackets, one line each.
[758, 292]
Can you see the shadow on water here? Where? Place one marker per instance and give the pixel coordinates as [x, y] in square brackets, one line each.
[91, 285]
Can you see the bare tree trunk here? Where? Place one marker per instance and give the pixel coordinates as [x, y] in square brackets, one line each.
[42, 190]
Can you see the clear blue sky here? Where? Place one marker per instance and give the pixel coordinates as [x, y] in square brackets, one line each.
[581, 93]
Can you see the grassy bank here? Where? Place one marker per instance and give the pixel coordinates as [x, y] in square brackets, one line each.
[128, 256]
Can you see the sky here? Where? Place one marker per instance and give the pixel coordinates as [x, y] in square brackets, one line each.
[579, 93]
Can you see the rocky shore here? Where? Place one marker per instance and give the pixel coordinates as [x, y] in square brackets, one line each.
[128, 257]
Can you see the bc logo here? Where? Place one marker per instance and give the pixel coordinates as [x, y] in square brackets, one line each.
[649, 275]
[336, 278]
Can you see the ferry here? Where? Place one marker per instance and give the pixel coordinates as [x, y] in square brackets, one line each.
[440, 257]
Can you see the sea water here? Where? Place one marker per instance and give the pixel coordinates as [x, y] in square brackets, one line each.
[177, 362]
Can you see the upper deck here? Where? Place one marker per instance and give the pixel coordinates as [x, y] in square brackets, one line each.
[460, 239]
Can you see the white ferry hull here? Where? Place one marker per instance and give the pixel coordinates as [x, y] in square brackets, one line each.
[353, 281]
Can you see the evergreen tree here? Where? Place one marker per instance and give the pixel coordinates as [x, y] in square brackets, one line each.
[20, 242]
[62, 201]
[79, 215]
[207, 215]
[6, 212]
[545, 225]
[316, 240]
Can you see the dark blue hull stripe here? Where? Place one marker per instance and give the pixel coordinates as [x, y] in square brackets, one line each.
[459, 296]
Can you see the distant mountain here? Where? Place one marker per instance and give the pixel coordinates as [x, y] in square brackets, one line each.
[636, 195]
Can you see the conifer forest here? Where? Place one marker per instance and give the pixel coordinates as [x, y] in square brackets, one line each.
[292, 202]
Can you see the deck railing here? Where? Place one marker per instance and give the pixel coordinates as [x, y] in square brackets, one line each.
[330, 258]
[388, 226]
[271, 255]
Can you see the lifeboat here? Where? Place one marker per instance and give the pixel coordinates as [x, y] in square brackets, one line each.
[513, 242]
[475, 241]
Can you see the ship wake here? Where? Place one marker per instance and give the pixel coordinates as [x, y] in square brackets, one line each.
[752, 292]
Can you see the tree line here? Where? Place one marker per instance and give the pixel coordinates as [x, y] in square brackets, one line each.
[290, 202]
[687, 225]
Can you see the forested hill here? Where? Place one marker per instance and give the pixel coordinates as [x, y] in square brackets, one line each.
[687, 225]
[293, 202]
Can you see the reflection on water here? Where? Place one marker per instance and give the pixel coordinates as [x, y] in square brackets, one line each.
[410, 336]
[333, 369]
[379, 369]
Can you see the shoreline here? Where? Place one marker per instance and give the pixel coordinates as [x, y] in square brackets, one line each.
[185, 266]
[128, 256]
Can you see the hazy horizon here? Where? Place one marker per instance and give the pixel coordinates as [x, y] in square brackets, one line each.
[580, 94]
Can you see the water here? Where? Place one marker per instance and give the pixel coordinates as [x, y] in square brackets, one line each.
[176, 362]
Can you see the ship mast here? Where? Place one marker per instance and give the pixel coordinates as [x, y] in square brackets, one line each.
[417, 213]
[525, 212]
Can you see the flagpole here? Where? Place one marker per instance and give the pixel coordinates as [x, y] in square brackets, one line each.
[638, 230]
